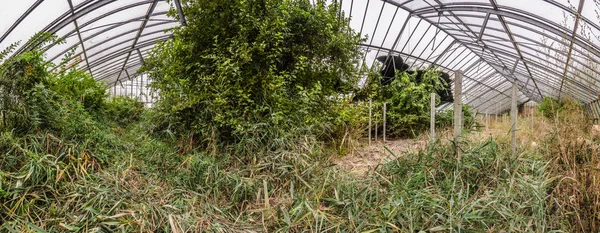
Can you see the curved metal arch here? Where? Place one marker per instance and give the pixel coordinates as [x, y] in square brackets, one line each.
[108, 39]
[507, 54]
[536, 42]
[108, 65]
[451, 35]
[84, 8]
[548, 55]
[108, 73]
[557, 28]
[137, 37]
[117, 44]
[122, 52]
[115, 72]
[64, 19]
[111, 64]
[539, 22]
[416, 58]
[542, 67]
[113, 26]
[21, 18]
[137, 4]
[529, 39]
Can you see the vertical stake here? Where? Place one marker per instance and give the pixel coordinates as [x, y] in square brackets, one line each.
[487, 121]
[543, 116]
[384, 120]
[497, 111]
[375, 122]
[532, 117]
[458, 110]
[432, 121]
[513, 114]
[370, 122]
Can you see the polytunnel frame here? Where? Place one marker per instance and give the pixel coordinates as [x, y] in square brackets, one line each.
[439, 56]
[582, 92]
[501, 65]
[502, 13]
[76, 12]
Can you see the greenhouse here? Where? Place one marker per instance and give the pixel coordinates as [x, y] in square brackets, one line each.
[300, 116]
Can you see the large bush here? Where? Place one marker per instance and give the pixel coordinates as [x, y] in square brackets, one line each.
[253, 70]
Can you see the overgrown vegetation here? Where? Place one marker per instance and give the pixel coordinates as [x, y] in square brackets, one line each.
[408, 102]
[247, 75]
[75, 160]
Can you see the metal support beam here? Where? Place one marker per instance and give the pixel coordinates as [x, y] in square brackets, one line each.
[386, 34]
[140, 54]
[58, 55]
[485, 21]
[577, 18]
[397, 39]
[364, 17]
[137, 37]
[80, 40]
[516, 45]
[65, 20]
[23, 16]
[180, 12]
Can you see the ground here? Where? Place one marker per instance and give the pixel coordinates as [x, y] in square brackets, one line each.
[369, 156]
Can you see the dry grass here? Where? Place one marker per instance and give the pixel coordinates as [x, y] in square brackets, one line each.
[408, 187]
[566, 142]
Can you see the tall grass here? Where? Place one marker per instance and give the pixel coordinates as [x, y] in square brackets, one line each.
[148, 185]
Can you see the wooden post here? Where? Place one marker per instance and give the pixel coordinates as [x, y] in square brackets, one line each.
[532, 116]
[543, 116]
[497, 111]
[513, 122]
[432, 120]
[458, 110]
[487, 121]
[384, 120]
[375, 122]
[370, 122]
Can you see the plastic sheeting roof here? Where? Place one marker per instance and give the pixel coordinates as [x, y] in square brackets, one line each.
[548, 47]
[110, 37]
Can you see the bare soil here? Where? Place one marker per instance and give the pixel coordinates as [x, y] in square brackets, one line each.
[369, 156]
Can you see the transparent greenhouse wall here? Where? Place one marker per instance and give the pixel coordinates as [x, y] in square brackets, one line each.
[135, 88]
[593, 110]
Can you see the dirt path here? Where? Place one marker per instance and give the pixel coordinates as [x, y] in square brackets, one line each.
[370, 156]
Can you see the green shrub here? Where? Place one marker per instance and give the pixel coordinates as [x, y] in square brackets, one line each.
[78, 85]
[549, 106]
[123, 109]
[243, 73]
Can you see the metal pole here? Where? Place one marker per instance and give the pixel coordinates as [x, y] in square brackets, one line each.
[457, 110]
[513, 114]
[384, 120]
[432, 122]
[141, 88]
[370, 122]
